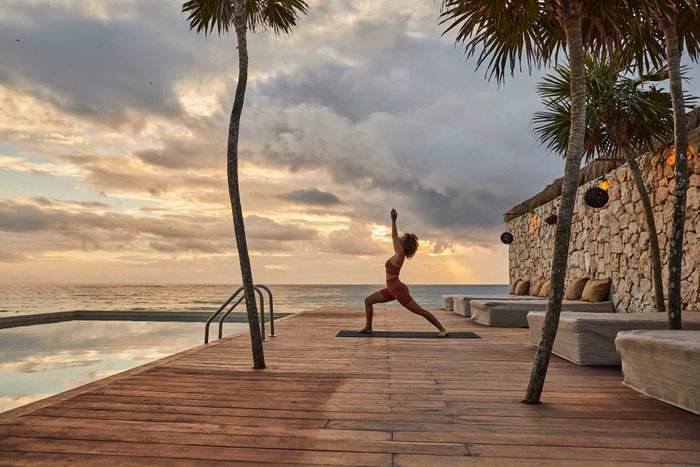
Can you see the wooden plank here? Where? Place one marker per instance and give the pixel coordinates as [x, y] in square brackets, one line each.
[592, 454]
[107, 434]
[229, 429]
[97, 460]
[447, 461]
[191, 452]
[192, 408]
[107, 415]
[571, 438]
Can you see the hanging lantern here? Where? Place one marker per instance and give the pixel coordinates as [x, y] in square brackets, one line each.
[551, 220]
[671, 159]
[533, 220]
[596, 197]
[507, 238]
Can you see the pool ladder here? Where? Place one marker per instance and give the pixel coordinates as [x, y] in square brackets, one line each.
[257, 288]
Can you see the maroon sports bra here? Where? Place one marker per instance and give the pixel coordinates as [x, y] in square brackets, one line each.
[391, 269]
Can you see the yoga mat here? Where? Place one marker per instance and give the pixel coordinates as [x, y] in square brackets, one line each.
[411, 334]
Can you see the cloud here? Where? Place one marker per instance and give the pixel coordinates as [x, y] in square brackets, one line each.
[201, 147]
[60, 228]
[123, 71]
[11, 257]
[43, 201]
[356, 240]
[312, 196]
[262, 228]
[130, 175]
[23, 218]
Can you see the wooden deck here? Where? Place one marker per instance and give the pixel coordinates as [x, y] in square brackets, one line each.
[353, 401]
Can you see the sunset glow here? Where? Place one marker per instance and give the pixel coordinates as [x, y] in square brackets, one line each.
[113, 132]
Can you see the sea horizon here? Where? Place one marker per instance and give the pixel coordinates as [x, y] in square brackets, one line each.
[31, 298]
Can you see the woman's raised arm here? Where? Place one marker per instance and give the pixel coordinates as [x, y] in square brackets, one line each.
[398, 248]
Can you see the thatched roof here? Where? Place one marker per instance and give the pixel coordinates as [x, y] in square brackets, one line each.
[595, 169]
[694, 119]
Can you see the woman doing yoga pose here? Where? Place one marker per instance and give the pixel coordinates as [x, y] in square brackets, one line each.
[404, 247]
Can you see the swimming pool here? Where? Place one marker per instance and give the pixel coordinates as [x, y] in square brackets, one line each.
[41, 360]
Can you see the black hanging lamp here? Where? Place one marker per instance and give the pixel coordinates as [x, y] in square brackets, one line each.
[507, 238]
[597, 196]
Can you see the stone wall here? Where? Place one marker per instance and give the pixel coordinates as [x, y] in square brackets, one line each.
[613, 241]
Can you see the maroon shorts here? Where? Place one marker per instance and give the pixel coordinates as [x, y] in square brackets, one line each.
[396, 290]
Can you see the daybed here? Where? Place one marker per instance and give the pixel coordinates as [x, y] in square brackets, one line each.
[513, 313]
[447, 302]
[663, 364]
[518, 290]
[462, 303]
[589, 338]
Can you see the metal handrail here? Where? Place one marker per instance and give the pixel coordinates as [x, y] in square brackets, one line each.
[272, 312]
[211, 318]
[231, 308]
[262, 313]
[223, 317]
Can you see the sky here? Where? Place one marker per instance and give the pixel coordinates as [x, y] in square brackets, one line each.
[113, 129]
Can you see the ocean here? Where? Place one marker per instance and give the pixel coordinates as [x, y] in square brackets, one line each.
[34, 298]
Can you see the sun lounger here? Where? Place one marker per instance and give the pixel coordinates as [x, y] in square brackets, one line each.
[664, 365]
[462, 303]
[513, 313]
[589, 338]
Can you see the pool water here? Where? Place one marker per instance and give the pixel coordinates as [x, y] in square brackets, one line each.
[43, 360]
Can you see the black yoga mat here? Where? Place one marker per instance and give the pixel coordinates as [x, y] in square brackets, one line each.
[414, 334]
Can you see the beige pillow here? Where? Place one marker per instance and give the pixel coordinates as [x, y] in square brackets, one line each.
[575, 288]
[513, 285]
[544, 291]
[522, 288]
[535, 289]
[596, 290]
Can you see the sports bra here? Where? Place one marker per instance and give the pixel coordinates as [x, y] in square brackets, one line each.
[391, 269]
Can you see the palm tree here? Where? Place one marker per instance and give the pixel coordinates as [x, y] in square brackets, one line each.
[678, 23]
[535, 31]
[281, 17]
[623, 119]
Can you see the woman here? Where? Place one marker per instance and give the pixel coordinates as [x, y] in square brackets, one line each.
[404, 247]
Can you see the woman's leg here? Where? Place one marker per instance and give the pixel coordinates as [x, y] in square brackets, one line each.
[413, 307]
[381, 296]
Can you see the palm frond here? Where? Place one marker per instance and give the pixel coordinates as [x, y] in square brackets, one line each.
[688, 28]
[205, 15]
[556, 86]
[552, 126]
[507, 34]
[619, 110]
[643, 43]
[280, 16]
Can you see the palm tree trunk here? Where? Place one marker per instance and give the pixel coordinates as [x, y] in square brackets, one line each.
[651, 226]
[570, 19]
[234, 190]
[680, 133]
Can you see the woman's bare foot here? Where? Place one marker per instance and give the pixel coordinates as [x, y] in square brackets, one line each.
[443, 333]
[366, 331]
